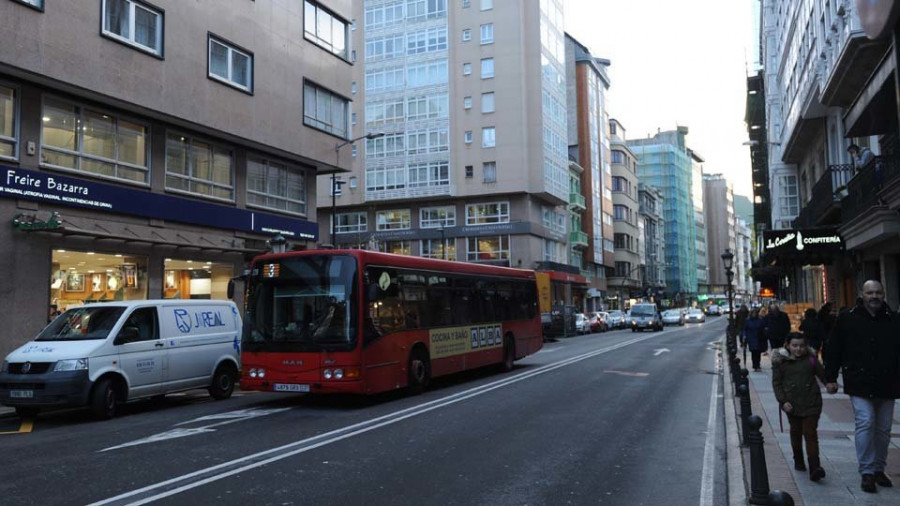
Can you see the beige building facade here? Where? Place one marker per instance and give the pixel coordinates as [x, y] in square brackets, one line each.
[151, 149]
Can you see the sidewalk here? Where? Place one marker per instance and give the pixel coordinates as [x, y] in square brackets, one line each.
[836, 446]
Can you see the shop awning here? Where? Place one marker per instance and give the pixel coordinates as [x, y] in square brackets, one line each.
[54, 223]
[565, 277]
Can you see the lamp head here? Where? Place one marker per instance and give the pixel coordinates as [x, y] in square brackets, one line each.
[728, 259]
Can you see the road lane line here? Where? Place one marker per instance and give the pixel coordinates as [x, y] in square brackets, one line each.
[211, 474]
[709, 462]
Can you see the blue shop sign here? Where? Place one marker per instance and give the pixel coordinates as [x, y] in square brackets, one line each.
[48, 187]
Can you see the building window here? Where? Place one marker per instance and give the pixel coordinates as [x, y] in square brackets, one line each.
[488, 137]
[276, 186]
[8, 122]
[385, 178]
[490, 172]
[98, 143]
[788, 201]
[427, 107]
[426, 40]
[618, 156]
[466, 4]
[386, 146]
[428, 174]
[467, 69]
[487, 248]
[437, 217]
[384, 48]
[325, 110]
[385, 111]
[466, 35]
[325, 29]
[470, 171]
[487, 102]
[396, 219]
[623, 269]
[199, 167]
[487, 214]
[134, 23]
[386, 79]
[435, 248]
[487, 68]
[487, 5]
[230, 65]
[351, 222]
[468, 137]
[621, 212]
[467, 102]
[426, 74]
[487, 33]
[421, 10]
[427, 141]
[381, 16]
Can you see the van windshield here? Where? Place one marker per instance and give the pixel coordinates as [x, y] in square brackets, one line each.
[643, 311]
[83, 323]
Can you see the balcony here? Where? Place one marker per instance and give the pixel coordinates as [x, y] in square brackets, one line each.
[824, 206]
[577, 202]
[578, 239]
[863, 191]
[858, 57]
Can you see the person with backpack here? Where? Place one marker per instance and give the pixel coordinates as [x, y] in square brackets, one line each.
[795, 370]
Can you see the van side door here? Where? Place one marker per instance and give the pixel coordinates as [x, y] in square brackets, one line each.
[142, 354]
[195, 336]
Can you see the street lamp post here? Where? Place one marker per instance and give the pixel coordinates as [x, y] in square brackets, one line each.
[443, 244]
[728, 263]
[337, 183]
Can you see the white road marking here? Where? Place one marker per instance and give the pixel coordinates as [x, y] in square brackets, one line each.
[221, 471]
[229, 417]
[660, 351]
[709, 462]
[628, 373]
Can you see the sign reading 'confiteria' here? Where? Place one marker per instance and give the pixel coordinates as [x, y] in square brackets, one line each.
[802, 241]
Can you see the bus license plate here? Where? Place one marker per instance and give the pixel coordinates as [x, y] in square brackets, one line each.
[284, 387]
[21, 394]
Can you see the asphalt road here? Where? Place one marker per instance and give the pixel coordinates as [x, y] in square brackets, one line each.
[614, 418]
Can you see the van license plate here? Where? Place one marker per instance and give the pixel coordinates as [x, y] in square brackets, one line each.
[21, 394]
[283, 387]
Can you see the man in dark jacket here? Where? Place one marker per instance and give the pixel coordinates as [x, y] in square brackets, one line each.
[778, 326]
[865, 347]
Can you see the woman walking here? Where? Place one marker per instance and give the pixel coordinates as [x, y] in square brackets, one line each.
[754, 337]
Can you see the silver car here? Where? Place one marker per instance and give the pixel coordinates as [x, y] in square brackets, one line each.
[673, 317]
[695, 316]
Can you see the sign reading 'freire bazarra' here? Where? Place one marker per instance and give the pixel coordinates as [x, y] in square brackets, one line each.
[798, 242]
[48, 187]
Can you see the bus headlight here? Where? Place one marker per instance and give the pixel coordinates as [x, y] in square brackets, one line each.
[338, 374]
[257, 373]
[252, 373]
[327, 374]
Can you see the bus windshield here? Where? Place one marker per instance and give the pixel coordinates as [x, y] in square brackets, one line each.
[305, 303]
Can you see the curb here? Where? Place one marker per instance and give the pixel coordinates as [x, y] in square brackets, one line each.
[737, 484]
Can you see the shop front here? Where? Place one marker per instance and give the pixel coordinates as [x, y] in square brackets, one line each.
[69, 242]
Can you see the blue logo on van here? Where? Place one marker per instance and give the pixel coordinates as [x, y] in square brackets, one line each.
[182, 320]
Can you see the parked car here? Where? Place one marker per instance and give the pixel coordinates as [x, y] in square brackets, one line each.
[713, 310]
[582, 323]
[616, 319]
[599, 321]
[645, 316]
[105, 354]
[695, 316]
[673, 317]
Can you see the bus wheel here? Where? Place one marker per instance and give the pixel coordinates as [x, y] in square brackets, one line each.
[419, 371]
[509, 353]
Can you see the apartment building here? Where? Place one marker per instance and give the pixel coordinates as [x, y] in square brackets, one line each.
[827, 85]
[718, 201]
[653, 253]
[467, 158]
[150, 150]
[627, 222]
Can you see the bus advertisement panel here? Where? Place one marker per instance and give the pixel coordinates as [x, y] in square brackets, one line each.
[352, 321]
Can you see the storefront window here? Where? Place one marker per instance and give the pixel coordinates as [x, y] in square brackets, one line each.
[196, 279]
[80, 277]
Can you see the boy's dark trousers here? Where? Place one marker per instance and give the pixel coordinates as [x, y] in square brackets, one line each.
[805, 428]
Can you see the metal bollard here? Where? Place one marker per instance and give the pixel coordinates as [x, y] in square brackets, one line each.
[780, 498]
[736, 371]
[743, 379]
[744, 393]
[759, 475]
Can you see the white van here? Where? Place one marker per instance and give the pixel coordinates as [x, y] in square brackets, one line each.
[102, 355]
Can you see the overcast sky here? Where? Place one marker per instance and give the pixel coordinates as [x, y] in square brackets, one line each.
[677, 62]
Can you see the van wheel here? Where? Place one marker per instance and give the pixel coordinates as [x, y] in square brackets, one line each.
[509, 353]
[27, 411]
[105, 399]
[419, 371]
[223, 382]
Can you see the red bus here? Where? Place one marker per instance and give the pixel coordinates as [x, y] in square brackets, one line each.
[354, 321]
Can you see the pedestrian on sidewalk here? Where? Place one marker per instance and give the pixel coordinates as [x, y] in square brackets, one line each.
[754, 338]
[778, 325]
[865, 348]
[813, 330]
[794, 374]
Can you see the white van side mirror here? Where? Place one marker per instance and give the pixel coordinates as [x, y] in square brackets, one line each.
[128, 335]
